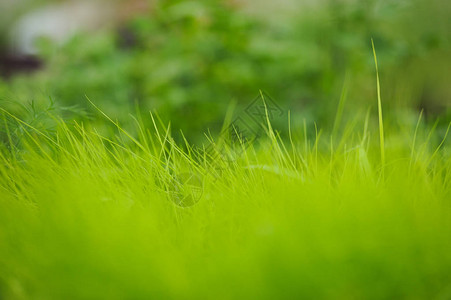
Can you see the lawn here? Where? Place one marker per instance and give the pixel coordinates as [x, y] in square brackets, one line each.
[85, 215]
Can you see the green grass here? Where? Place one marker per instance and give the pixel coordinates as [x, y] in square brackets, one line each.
[84, 215]
[379, 109]
[333, 204]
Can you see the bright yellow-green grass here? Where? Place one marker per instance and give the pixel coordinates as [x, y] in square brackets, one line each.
[90, 216]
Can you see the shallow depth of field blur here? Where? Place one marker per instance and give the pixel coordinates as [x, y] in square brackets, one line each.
[225, 149]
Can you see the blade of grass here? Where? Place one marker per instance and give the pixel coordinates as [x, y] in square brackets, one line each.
[379, 109]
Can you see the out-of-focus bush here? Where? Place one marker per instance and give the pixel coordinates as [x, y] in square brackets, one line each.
[189, 59]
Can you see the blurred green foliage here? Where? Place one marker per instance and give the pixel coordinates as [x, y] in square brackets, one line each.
[188, 60]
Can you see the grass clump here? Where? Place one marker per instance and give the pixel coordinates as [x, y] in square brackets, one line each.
[87, 215]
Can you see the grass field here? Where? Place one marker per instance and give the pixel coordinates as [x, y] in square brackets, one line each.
[85, 215]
